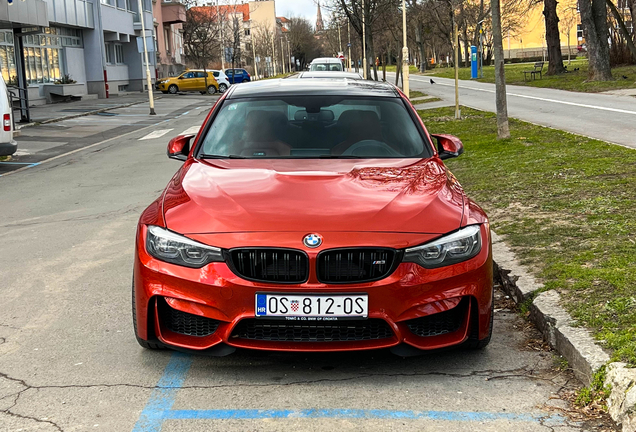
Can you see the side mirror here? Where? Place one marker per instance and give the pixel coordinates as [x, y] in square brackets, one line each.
[179, 147]
[448, 146]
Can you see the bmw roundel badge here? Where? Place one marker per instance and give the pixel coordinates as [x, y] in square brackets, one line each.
[312, 240]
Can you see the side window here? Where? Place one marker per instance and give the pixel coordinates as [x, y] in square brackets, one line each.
[188, 75]
[229, 72]
[200, 74]
[216, 74]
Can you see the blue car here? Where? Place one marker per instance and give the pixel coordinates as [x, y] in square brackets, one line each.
[237, 76]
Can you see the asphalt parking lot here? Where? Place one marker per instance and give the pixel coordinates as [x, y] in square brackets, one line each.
[69, 360]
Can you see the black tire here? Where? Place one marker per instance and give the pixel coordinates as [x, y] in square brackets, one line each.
[473, 342]
[151, 345]
[246, 80]
[211, 89]
[173, 89]
[222, 88]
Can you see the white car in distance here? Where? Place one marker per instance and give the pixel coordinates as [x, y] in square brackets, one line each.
[221, 78]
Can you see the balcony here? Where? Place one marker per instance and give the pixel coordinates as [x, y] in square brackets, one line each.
[173, 12]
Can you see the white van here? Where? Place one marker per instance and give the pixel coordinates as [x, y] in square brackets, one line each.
[331, 64]
[7, 145]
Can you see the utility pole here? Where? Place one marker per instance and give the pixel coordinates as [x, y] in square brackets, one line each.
[254, 55]
[349, 44]
[273, 57]
[290, 56]
[282, 54]
[405, 54]
[364, 45]
[148, 79]
[458, 113]
[339, 40]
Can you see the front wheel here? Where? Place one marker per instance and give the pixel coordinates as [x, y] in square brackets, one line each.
[211, 89]
[222, 88]
[173, 89]
[246, 80]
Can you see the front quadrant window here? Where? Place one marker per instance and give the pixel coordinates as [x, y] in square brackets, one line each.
[314, 127]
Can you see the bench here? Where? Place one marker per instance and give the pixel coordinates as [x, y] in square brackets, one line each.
[538, 69]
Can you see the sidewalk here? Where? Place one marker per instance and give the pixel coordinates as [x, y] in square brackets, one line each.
[60, 111]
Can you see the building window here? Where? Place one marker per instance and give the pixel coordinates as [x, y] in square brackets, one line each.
[119, 53]
[7, 58]
[579, 32]
[110, 53]
[247, 32]
[43, 56]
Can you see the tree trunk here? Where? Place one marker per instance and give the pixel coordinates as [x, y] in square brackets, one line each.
[503, 130]
[466, 47]
[419, 40]
[552, 37]
[594, 22]
[383, 69]
[623, 27]
[632, 12]
[398, 68]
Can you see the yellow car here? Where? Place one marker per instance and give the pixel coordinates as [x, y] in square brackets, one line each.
[190, 80]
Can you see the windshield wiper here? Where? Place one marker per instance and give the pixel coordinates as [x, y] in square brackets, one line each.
[205, 156]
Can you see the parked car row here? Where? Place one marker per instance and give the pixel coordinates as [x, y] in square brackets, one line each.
[209, 81]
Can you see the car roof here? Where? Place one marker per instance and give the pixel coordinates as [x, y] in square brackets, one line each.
[330, 74]
[312, 87]
[326, 60]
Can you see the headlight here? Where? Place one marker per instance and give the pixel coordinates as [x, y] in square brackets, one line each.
[177, 249]
[453, 248]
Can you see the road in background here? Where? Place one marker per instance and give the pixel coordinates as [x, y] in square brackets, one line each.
[39, 143]
[69, 360]
[606, 117]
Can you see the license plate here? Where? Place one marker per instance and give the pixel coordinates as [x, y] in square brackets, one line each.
[315, 306]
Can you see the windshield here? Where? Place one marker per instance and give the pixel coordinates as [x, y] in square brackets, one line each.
[325, 67]
[314, 127]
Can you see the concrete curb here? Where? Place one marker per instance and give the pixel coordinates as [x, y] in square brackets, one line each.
[576, 344]
[58, 119]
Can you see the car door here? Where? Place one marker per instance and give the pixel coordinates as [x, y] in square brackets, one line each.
[199, 80]
[230, 76]
[187, 81]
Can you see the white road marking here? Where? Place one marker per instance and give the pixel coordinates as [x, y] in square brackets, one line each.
[622, 111]
[191, 131]
[155, 134]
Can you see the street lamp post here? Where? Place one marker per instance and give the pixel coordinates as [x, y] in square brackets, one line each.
[148, 79]
[405, 54]
[364, 45]
[218, 15]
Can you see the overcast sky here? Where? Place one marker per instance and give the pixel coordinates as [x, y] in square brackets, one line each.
[299, 8]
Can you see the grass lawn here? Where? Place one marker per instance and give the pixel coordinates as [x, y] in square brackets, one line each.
[575, 81]
[566, 204]
[393, 68]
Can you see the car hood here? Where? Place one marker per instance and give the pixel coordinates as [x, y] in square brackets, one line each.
[308, 195]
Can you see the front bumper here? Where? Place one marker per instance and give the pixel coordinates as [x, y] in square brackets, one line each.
[412, 302]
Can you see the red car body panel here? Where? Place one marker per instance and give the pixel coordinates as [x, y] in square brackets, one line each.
[393, 203]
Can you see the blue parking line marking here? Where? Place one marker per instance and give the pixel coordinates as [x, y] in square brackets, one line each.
[163, 396]
[158, 409]
[20, 163]
[363, 414]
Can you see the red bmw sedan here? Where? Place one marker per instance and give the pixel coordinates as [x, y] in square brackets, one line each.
[313, 215]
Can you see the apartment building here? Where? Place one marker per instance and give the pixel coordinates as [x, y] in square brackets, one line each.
[92, 43]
